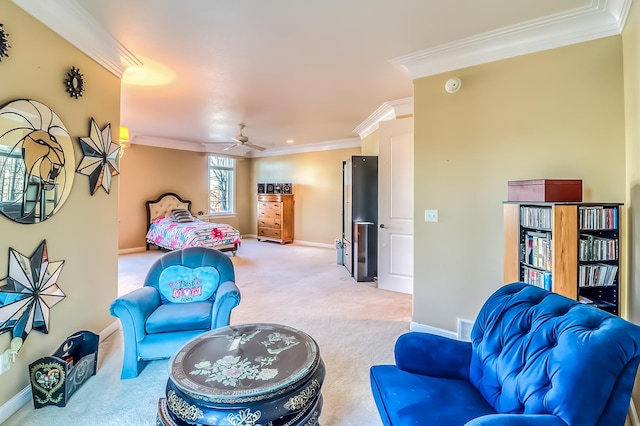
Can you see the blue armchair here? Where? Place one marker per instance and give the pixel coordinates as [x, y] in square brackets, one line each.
[185, 293]
[535, 358]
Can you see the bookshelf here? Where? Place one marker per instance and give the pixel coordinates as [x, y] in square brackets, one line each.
[569, 248]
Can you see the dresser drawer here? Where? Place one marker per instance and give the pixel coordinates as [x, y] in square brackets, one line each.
[270, 197]
[266, 206]
[269, 233]
[263, 214]
[269, 222]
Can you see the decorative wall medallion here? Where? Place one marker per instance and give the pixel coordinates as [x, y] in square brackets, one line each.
[100, 160]
[4, 44]
[36, 161]
[74, 82]
[29, 292]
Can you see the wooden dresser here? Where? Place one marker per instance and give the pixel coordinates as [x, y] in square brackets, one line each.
[275, 217]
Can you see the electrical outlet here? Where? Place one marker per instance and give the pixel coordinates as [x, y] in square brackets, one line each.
[431, 215]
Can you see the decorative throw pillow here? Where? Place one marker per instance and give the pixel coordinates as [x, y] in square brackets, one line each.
[181, 215]
[179, 284]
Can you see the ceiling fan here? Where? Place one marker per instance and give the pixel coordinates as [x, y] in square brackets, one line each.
[243, 141]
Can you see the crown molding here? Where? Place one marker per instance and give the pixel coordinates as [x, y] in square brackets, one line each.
[217, 148]
[387, 111]
[602, 18]
[309, 147]
[86, 33]
[159, 142]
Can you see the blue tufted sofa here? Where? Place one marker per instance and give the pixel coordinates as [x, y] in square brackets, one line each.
[536, 358]
[185, 293]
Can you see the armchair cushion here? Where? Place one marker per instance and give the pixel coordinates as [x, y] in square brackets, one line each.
[179, 284]
[416, 400]
[180, 317]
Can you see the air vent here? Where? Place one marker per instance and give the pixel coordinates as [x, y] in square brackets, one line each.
[464, 330]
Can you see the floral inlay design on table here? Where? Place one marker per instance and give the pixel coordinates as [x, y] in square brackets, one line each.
[232, 370]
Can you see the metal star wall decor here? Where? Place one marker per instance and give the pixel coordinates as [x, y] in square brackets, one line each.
[100, 160]
[29, 292]
[4, 44]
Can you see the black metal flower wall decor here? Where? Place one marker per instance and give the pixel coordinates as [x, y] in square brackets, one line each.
[4, 44]
[100, 160]
[74, 82]
[29, 292]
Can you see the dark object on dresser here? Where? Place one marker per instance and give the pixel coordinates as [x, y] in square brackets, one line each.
[545, 190]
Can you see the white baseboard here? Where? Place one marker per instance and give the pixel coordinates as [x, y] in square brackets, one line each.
[14, 404]
[414, 326]
[23, 397]
[313, 244]
[300, 242]
[110, 329]
[132, 250]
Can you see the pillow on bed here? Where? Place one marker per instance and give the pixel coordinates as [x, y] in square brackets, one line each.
[181, 215]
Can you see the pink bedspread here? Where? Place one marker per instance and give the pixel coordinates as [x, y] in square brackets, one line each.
[166, 233]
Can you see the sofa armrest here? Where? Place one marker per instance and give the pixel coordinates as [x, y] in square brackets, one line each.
[517, 420]
[227, 298]
[133, 309]
[433, 355]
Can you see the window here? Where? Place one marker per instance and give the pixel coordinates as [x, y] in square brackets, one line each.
[12, 176]
[221, 185]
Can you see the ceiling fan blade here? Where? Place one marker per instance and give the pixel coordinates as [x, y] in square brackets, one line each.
[230, 146]
[256, 147]
[240, 139]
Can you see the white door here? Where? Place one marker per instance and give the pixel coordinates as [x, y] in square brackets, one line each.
[395, 205]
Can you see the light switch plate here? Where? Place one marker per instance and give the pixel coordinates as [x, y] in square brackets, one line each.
[431, 215]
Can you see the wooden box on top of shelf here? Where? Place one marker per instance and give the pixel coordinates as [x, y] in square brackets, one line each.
[545, 190]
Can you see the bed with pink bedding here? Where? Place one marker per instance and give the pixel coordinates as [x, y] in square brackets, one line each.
[171, 226]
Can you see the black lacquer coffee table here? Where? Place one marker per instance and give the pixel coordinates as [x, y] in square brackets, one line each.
[245, 375]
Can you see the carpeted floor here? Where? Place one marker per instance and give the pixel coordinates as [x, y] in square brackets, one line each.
[355, 325]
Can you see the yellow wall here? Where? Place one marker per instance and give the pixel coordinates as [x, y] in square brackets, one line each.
[631, 54]
[370, 144]
[147, 172]
[84, 233]
[554, 114]
[317, 189]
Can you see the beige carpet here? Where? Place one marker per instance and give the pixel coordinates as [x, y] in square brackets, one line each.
[355, 325]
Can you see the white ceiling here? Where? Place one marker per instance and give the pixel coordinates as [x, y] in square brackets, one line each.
[311, 71]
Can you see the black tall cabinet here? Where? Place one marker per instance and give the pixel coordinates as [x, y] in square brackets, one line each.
[360, 216]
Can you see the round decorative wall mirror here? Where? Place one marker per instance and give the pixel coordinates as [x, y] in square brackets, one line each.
[36, 161]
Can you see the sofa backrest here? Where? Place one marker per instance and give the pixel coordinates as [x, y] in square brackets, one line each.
[536, 352]
[190, 275]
